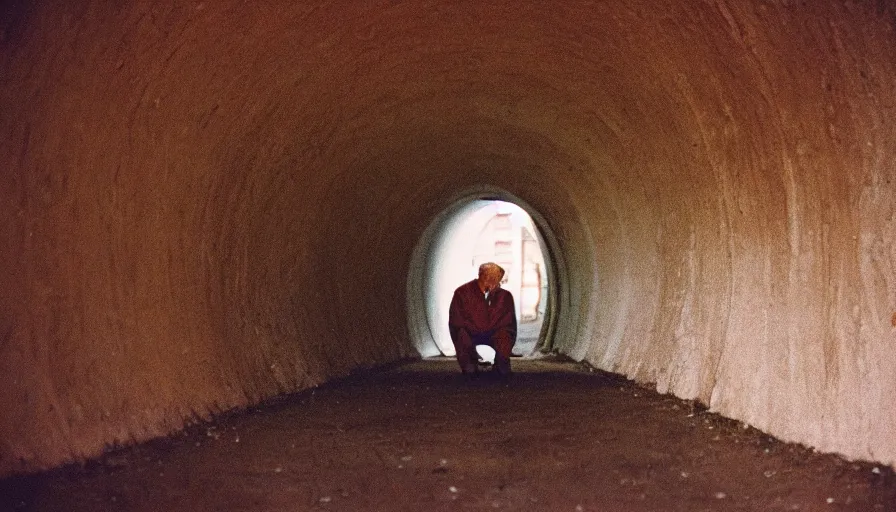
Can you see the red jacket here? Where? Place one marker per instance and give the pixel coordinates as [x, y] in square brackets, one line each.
[470, 311]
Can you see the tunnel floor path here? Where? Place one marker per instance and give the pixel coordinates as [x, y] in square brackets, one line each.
[558, 436]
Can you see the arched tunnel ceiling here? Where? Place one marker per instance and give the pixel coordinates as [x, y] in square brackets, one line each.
[209, 203]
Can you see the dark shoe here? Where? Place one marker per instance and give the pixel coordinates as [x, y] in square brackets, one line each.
[502, 375]
[502, 367]
[469, 368]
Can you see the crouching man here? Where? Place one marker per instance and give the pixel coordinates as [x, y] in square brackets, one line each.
[482, 313]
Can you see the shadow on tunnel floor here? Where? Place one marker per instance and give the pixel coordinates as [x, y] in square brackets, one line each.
[419, 436]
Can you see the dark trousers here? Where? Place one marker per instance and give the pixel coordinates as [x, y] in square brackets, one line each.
[465, 346]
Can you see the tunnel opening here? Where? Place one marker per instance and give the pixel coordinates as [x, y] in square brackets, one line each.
[476, 229]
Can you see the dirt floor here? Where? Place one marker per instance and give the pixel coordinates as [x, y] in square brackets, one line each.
[557, 436]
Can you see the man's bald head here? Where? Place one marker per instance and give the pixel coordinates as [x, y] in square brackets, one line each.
[490, 275]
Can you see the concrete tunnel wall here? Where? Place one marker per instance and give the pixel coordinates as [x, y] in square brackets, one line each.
[207, 204]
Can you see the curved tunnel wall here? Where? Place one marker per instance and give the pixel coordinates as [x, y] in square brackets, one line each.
[185, 189]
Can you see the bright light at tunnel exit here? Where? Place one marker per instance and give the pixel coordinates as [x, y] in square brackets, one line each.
[504, 233]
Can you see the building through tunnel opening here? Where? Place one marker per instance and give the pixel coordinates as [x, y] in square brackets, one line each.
[475, 232]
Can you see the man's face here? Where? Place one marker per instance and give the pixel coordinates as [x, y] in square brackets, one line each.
[491, 282]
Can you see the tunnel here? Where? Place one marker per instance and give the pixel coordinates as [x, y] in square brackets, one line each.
[204, 205]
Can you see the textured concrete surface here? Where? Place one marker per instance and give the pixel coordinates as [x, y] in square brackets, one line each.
[206, 204]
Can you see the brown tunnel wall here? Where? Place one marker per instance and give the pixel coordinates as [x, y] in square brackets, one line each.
[205, 205]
